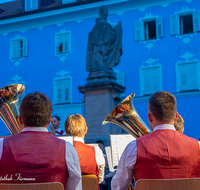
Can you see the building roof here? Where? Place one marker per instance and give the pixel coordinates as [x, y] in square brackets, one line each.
[15, 8]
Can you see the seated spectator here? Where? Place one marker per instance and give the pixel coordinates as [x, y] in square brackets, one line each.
[179, 124]
[35, 155]
[101, 145]
[55, 126]
[91, 157]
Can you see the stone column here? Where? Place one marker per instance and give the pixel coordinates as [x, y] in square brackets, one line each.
[101, 96]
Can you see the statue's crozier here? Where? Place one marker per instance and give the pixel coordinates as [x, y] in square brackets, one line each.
[104, 44]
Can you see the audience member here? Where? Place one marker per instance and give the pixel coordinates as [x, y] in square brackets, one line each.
[101, 145]
[179, 124]
[91, 157]
[162, 154]
[55, 126]
[35, 155]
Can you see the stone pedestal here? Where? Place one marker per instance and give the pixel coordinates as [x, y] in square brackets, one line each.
[101, 96]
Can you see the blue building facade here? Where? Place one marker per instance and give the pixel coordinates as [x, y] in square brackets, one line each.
[46, 51]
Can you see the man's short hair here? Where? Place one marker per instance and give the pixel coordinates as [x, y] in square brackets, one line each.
[179, 124]
[75, 125]
[35, 110]
[162, 105]
[58, 118]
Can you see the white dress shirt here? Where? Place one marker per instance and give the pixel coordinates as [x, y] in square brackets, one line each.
[127, 162]
[74, 181]
[99, 159]
[59, 130]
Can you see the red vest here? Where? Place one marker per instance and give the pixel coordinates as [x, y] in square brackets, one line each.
[167, 154]
[86, 154]
[33, 157]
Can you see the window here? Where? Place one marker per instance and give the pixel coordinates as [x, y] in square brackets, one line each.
[18, 48]
[187, 76]
[31, 5]
[63, 90]
[68, 1]
[150, 78]
[149, 29]
[63, 43]
[185, 23]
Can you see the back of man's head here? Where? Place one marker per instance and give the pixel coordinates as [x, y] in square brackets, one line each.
[179, 124]
[75, 125]
[162, 105]
[35, 110]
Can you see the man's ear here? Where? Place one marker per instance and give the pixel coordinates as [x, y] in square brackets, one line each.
[20, 120]
[150, 117]
[49, 122]
[176, 116]
[86, 130]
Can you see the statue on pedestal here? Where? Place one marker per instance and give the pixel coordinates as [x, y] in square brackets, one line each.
[104, 44]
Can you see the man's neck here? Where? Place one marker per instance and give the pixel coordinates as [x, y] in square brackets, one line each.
[162, 123]
[58, 127]
[33, 126]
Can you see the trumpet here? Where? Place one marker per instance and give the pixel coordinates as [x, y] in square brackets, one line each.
[9, 106]
[125, 115]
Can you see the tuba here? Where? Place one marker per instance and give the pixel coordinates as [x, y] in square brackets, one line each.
[125, 115]
[9, 106]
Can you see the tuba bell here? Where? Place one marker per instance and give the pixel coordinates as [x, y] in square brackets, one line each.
[125, 115]
[9, 106]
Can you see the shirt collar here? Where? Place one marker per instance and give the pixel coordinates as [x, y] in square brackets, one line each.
[80, 139]
[59, 129]
[40, 129]
[164, 126]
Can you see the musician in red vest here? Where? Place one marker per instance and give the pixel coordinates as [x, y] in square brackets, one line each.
[91, 157]
[35, 155]
[179, 124]
[55, 126]
[163, 154]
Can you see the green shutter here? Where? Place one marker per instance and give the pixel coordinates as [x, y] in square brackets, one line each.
[25, 47]
[66, 42]
[138, 32]
[196, 21]
[59, 91]
[57, 43]
[174, 24]
[34, 4]
[188, 76]
[13, 49]
[159, 27]
[151, 80]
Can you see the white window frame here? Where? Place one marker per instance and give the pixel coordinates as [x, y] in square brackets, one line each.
[17, 52]
[140, 28]
[175, 25]
[55, 91]
[142, 90]
[178, 78]
[63, 42]
[33, 5]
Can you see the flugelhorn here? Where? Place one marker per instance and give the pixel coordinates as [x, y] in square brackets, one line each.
[9, 106]
[125, 115]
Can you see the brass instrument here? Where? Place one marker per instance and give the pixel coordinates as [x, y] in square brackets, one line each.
[125, 115]
[9, 106]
